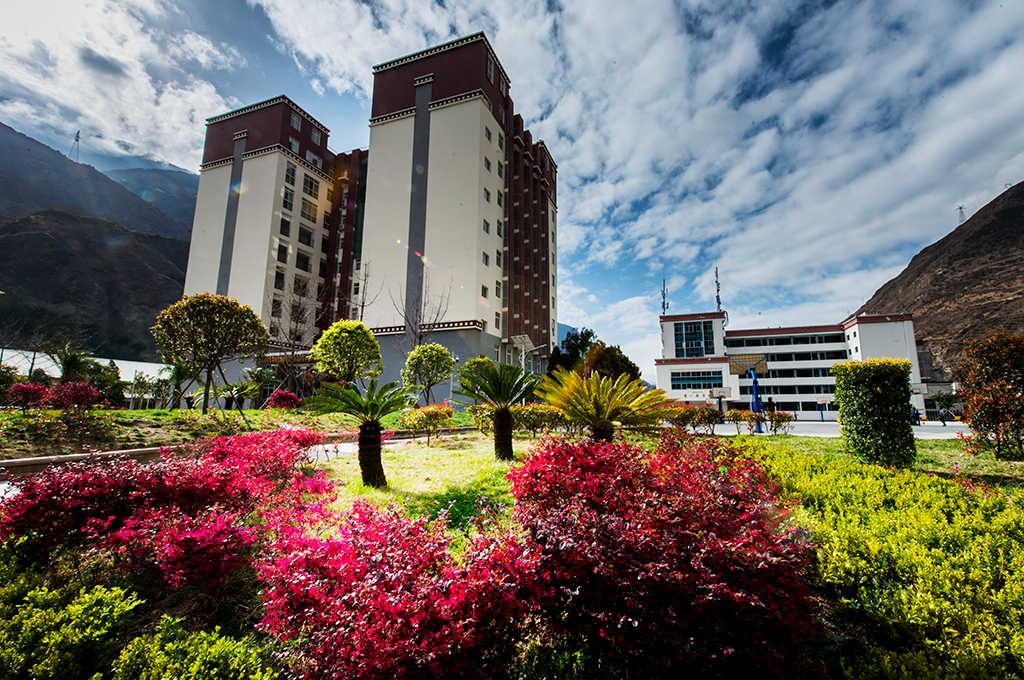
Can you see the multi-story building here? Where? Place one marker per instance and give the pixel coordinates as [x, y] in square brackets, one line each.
[702, 362]
[443, 231]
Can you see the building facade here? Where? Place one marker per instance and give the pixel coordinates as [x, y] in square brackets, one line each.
[702, 362]
[443, 230]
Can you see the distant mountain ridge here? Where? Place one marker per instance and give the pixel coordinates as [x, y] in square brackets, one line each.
[34, 177]
[173, 192]
[967, 285]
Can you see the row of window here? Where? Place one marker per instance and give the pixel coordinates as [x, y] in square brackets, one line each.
[790, 406]
[497, 258]
[790, 389]
[497, 290]
[793, 340]
[833, 355]
[497, 227]
[696, 380]
[693, 338]
[501, 137]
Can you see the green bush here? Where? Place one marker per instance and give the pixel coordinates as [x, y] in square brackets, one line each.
[874, 411]
[173, 652]
[925, 576]
[41, 638]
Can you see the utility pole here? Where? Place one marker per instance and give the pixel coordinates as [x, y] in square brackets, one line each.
[664, 298]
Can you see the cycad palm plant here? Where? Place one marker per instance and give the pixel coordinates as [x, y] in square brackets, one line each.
[500, 387]
[603, 404]
[370, 408]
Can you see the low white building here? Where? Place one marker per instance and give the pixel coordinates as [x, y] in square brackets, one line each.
[702, 362]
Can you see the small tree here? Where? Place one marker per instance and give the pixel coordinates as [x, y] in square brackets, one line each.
[348, 351]
[206, 330]
[500, 387]
[426, 366]
[993, 389]
[474, 367]
[874, 410]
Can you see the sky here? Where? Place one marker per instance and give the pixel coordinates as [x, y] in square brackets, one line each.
[807, 150]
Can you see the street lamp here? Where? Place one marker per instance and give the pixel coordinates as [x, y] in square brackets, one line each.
[451, 378]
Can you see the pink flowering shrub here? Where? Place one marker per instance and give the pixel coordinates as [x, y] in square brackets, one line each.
[185, 516]
[673, 562]
[284, 399]
[383, 598]
[73, 396]
[28, 395]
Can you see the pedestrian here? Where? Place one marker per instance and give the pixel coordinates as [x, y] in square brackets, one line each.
[942, 416]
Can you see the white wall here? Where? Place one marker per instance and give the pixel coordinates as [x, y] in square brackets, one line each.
[207, 230]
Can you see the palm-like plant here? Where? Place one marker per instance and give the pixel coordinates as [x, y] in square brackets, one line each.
[369, 407]
[500, 387]
[603, 404]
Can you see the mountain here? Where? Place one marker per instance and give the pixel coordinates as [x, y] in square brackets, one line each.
[173, 192]
[34, 177]
[967, 285]
[91, 278]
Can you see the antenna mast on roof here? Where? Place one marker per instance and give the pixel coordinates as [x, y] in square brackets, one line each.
[960, 212]
[76, 148]
[718, 298]
[664, 298]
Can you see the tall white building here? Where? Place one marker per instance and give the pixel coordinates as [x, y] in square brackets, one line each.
[703, 362]
[445, 227]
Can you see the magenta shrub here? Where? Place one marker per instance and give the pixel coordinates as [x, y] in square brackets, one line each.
[185, 516]
[28, 395]
[284, 399]
[671, 563]
[73, 395]
[383, 598]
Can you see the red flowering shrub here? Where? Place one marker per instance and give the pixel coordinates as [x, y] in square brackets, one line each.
[672, 563]
[284, 399]
[383, 598]
[73, 396]
[183, 515]
[28, 395]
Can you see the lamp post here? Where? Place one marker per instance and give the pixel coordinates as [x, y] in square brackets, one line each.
[451, 378]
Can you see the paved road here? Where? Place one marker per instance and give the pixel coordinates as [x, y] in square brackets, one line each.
[926, 430]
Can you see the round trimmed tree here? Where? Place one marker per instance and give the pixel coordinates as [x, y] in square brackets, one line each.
[348, 351]
[205, 330]
[874, 411]
[426, 366]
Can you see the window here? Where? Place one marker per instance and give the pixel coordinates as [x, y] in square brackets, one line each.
[498, 227]
[501, 169]
[501, 116]
[286, 226]
[487, 260]
[501, 141]
[289, 199]
[497, 258]
[355, 289]
[327, 220]
[487, 133]
[487, 163]
[487, 227]
[275, 308]
[499, 198]
[300, 287]
[696, 380]
[302, 262]
[324, 244]
[330, 194]
[308, 211]
[490, 70]
[487, 195]
[497, 289]
[483, 291]
[298, 314]
[313, 159]
[279, 280]
[282, 253]
[497, 321]
[314, 135]
[293, 144]
[305, 237]
[310, 186]
[323, 271]
[289, 173]
[487, 103]
[296, 121]
[694, 339]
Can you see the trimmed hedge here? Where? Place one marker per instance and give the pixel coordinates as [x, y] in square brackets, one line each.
[874, 411]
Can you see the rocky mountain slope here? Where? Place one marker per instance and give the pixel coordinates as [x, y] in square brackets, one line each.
[35, 177]
[70, 275]
[967, 285]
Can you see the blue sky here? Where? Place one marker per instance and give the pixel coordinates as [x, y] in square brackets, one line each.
[806, 149]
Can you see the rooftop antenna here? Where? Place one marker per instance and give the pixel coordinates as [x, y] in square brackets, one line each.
[960, 212]
[76, 148]
[664, 298]
[718, 298]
